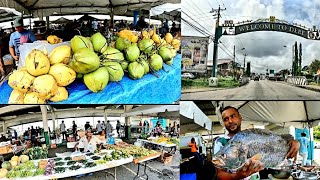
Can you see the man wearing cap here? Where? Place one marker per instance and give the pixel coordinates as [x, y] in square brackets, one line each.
[18, 38]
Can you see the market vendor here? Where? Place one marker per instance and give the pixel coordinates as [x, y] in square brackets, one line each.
[157, 131]
[27, 147]
[18, 38]
[89, 142]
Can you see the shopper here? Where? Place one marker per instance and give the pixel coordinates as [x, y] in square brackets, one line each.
[63, 130]
[118, 126]
[303, 151]
[74, 130]
[99, 127]
[108, 128]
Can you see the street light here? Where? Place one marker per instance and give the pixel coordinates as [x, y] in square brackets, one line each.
[234, 58]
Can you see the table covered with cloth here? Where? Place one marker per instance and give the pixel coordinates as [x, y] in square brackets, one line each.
[164, 89]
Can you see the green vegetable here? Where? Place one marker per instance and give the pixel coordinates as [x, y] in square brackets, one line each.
[59, 169]
[39, 172]
[59, 163]
[71, 162]
[74, 167]
[91, 164]
[95, 157]
[38, 153]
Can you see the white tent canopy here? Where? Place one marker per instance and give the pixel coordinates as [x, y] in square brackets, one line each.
[7, 14]
[283, 113]
[192, 118]
[42, 8]
[162, 110]
[167, 11]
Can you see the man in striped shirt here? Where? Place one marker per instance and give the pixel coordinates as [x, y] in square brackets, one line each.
[18, 38]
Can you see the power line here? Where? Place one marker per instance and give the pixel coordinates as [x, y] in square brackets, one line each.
[196, 22]
[230, 18]
[196, 11]
[195, 27]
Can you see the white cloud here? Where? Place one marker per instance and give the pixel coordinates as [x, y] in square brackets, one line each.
[264, 49]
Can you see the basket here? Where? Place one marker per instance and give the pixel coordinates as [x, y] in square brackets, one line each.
[166, 158]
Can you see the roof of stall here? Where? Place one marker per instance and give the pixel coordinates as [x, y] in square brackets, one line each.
[270, 114]
[48, 7]
[22, 114]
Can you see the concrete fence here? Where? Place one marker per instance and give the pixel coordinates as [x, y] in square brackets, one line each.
[298, 80]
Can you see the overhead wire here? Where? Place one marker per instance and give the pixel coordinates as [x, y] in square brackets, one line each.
[241, 44]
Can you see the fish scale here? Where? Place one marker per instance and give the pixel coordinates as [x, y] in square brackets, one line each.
[245, 144]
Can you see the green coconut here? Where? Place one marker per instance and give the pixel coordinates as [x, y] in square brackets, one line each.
[122, 43]
[165, 53]
[146, 45]
[124, 64]
[112, 54]
[169, 62]
[135, 70]
[145, 66]
[97, 80]
[79, 42]
[84, 61]
[156, 62]
[132, 52]
[98, 41]
[115, 71]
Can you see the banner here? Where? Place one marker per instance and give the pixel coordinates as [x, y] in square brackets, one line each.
[194, 52]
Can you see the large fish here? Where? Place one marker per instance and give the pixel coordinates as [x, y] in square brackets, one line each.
[259, 144]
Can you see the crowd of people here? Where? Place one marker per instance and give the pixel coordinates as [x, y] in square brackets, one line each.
[102, 128]
[158, 130]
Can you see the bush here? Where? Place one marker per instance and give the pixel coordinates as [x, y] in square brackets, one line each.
[228, 82]
[195, 82]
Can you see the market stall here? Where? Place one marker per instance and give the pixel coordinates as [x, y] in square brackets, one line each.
[134, 68]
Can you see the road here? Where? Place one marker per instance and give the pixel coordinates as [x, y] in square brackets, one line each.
[256, 90]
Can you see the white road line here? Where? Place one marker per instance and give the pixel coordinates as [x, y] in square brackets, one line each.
[130, 170]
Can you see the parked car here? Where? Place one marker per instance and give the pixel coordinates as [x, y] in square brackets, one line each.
[317, 145]
[256, 78]
[188, 76]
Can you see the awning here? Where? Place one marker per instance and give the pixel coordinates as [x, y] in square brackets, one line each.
[192, 118]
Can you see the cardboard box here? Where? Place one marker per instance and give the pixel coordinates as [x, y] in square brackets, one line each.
[166, 158]
[5, 149]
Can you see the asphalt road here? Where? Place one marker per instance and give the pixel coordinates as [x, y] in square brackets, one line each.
[256, 90]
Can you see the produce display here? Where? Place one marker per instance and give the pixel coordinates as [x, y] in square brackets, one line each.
[166, 140]
[38, 153]
[20, 167]
[46, 76]
[128, 149]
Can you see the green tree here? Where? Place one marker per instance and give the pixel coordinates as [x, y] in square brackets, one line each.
[316, 132]
[314, 66]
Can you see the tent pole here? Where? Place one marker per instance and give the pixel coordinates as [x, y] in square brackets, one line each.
[309, 124]
[149, 20]
[45, 123]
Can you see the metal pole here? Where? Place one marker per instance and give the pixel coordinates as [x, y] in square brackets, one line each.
[234, 61]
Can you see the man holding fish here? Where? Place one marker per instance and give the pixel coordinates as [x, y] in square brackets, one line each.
[241, 154]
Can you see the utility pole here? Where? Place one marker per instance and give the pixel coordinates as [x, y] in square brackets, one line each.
[234, 61]
[217, 35]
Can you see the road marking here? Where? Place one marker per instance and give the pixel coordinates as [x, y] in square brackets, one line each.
[130, 170]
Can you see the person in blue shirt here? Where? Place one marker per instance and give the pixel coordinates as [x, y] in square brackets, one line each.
[303, 151]
[19, 37]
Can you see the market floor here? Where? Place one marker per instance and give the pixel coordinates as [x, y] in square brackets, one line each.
[156, 170]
